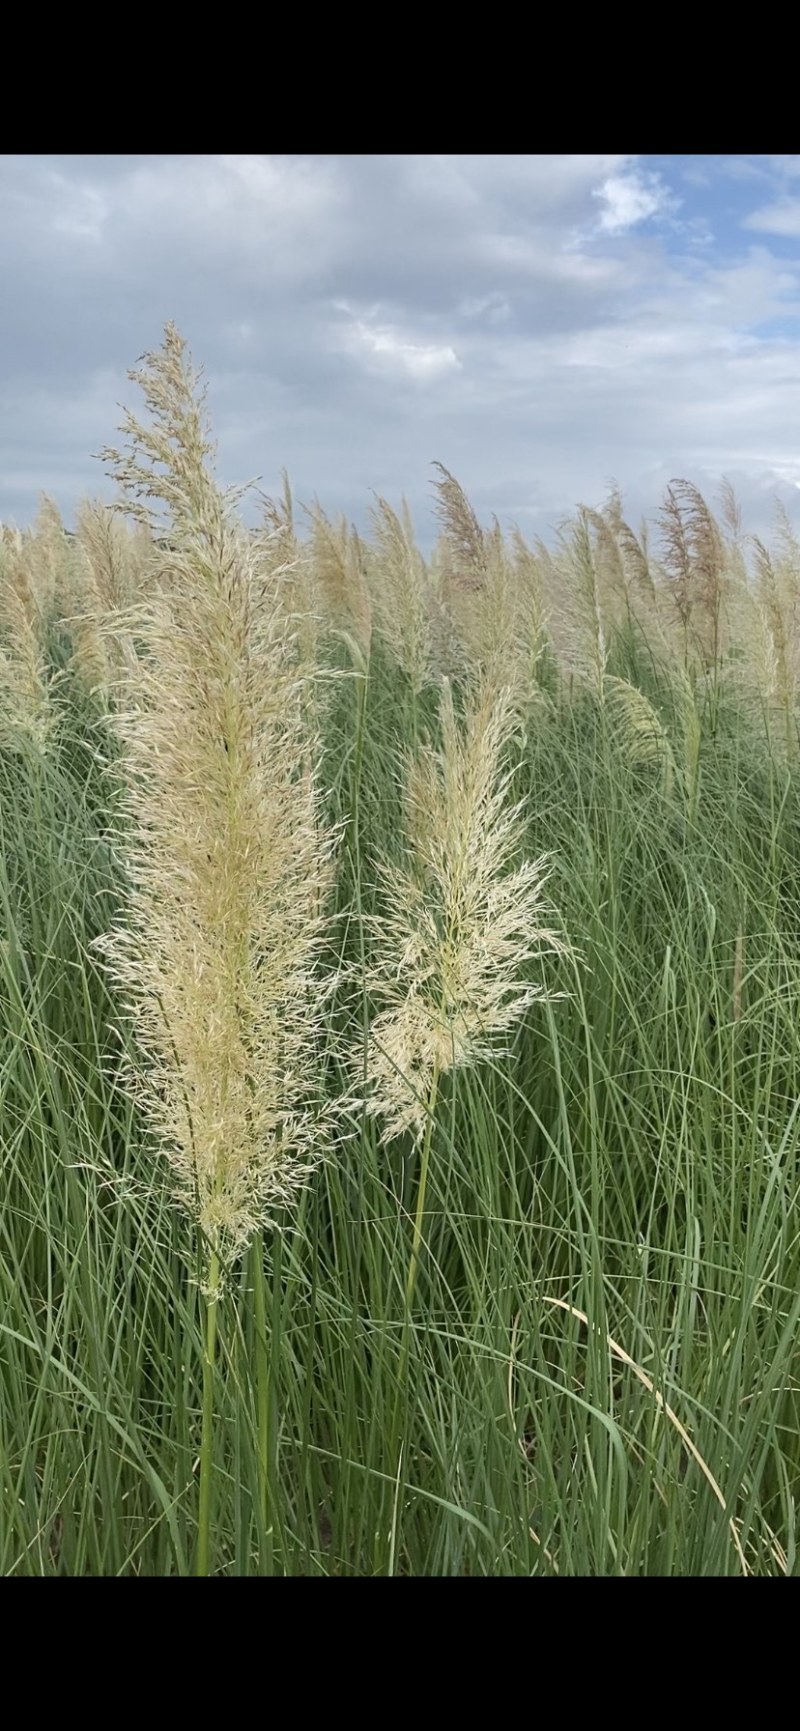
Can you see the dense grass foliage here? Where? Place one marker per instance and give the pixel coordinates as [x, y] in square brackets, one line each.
[594, 1369]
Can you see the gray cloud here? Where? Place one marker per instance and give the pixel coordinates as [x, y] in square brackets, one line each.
[540, 324]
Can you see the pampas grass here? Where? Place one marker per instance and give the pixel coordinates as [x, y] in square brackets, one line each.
[28, 717]
[407, 609]
[494, 596]
[539, 1314]
[463, 924]
[226, 857]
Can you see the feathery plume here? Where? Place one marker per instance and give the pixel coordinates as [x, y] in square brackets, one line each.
[639, 728]
[405, 603]
[777, 639]
[227, 859]
[463, 922]
[579, 611]
[493, 595]
[27, 713]
[289, 565]
[115, 567]
[337, 559]
[46, 560]
[694, 562]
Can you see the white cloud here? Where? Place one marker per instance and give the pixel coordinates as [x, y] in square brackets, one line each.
[781, 217]
[379, 344]
[631, 198]
[81, 210]
[786, 165]
[494, 308]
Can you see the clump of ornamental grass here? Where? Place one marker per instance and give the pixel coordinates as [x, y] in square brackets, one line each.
[115, 563]
[493, 596]
[28, 717]
[408, 615]
[777, 600]
[118, 556]
[639, 729]
[759, 642]
[47, 559]
[338, 567]
[579, 610]
[631, 551]
[598, 583]
[464, 927]
[695, 567]
[228, 862]
[290, 565]
[622, 588]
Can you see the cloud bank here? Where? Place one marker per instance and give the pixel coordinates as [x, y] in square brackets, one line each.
[543, 325]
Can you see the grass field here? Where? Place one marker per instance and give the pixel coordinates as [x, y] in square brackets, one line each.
[399, 1036]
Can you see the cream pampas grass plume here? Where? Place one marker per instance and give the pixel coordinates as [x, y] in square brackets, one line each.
[639, 729]
[463, 921]
[463, 928]
[227, 859]
[228, 865]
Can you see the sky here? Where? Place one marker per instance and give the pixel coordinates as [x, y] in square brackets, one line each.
[545, 326]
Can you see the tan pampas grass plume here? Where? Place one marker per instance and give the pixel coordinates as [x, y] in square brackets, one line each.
[777, 598]
[696, 574]
[28, 716]
[408, 614]
[46, 560]
[288, 565]
[116, 565]
[579, 610]
[637, 578]
[228, 861]
[340, 584]
[493, 595]
[119, 558]
[625, 584]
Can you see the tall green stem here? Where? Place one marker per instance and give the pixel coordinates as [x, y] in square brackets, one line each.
[262, 1385]
[355, 849]
[402, 1402]
[419, 1215]
[207, 1438]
